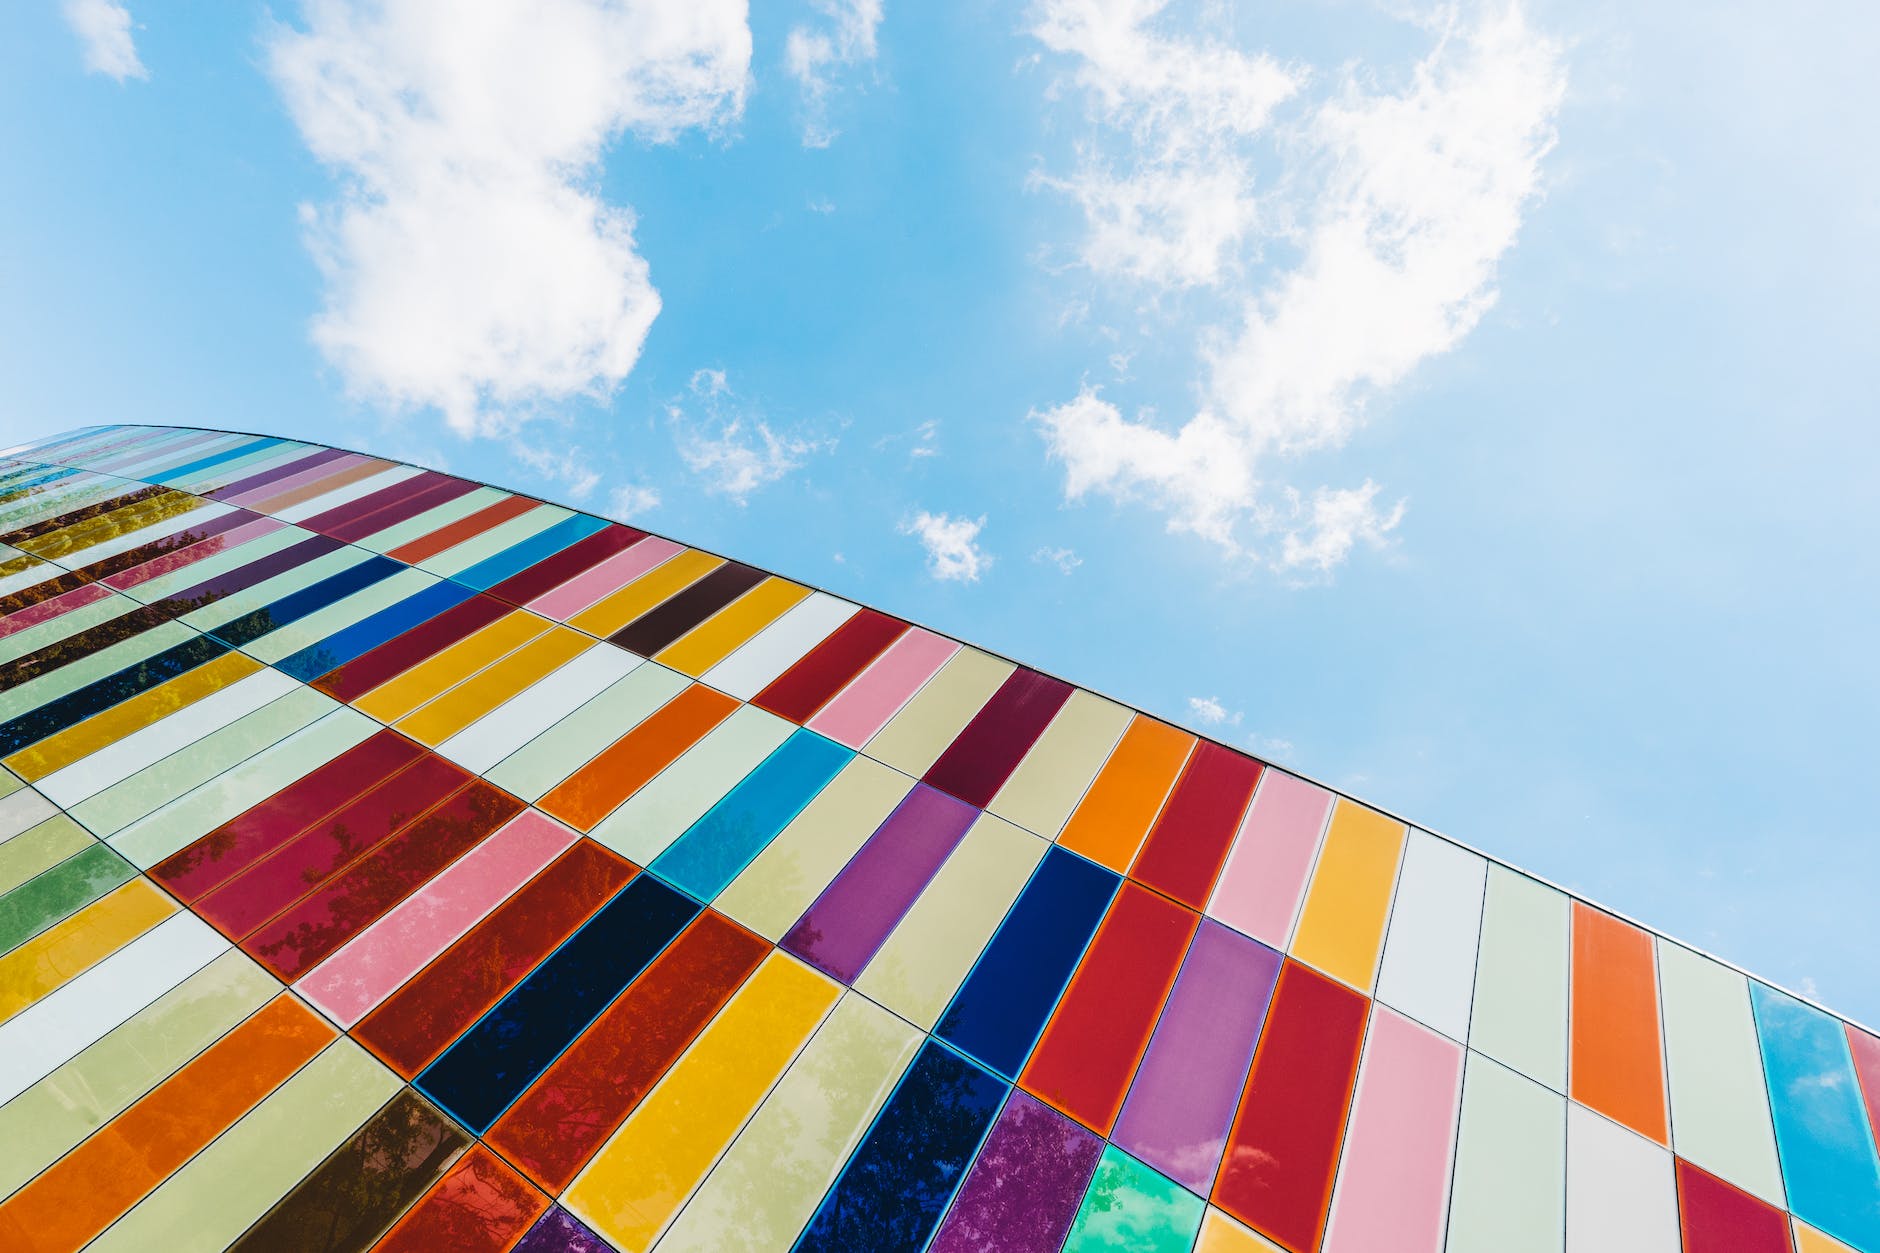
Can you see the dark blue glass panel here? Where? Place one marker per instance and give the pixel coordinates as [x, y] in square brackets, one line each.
[516, 558]
[489, 1066]
[898, 1183]
[716, 847]
[368, 633]
[291, 608]
[74, 707]
[1000, 1009]
[196, 467]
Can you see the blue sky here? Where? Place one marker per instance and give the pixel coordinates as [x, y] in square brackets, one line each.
[1462, 404]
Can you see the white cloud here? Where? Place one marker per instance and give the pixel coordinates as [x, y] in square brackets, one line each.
[952, 544]
[569, 466]
[813, 54]
[632, 500]
[103, 28]
[732, 447]
[1209, 711]
[1064, 559]
[1397, 206]
[469, 263]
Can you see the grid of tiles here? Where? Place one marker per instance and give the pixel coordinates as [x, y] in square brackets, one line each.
[389, 861]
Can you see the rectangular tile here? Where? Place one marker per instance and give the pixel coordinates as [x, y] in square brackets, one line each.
[713, 850]
[1089, 1051]
[513, 723]
[1281, 1155]
[754, 664]
[1189, 842]
[1520, 1013]
[1618, 1054]
[59, 892]
[1341, 926]
[1714, 1217]
[851, 919]
[480, 1205]
[53, 958]
[916, 736]
[1822, 1136]
[653, 817]
[545, 575]
[435, 634]
[1264, 881]
[1041, 793]
[826, 669]
[417, 1022]
[1509, 1188]
[1114, 816]
[1428, 970]
[857, 711]
[618, 608]
[604, 579]
[570, 1111]
[49, 1033]
[1719, 1100]
[1025, 1186]
[813, 1119]
[638, 1182]
[470, 700]
[786, 878]
[1621, 1196]
[534, 769]
[716, 637]
[445, 669]
[895, 1188]
[492, 1063]
[1000, 1009]
[659, 627]
[1393, 1178]
[1131, 1208]
[374, 963]
[630, 762]
[1182, 1102]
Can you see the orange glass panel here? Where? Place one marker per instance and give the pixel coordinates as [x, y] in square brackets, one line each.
[1618, 1060]
[1114, 816]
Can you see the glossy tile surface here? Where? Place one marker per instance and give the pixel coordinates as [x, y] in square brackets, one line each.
[389, 861]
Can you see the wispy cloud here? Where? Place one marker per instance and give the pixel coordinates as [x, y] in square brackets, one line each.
[632, 500]
[814, 54]
[952, 544]
[1209, 711]
[569, 466]
[1064, 559]
[730, 444]
[103, 28]
[469, 263]
[1395, 205]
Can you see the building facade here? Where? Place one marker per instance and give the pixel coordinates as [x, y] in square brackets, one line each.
[392, 861]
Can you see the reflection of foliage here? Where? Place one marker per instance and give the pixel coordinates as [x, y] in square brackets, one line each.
[1026, 1181]
[372, 883]
[896, 1184]
[362, 1187]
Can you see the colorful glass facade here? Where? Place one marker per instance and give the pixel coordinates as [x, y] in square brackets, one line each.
[390, 861]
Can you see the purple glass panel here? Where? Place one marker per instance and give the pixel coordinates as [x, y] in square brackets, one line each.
[1025, 1187]
[558, 1232]
[1182, 1102]
[853, 916]
[274, 474]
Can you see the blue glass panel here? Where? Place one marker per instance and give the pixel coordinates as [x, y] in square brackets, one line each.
[491, 1064]
[330, 590]
[900, 1179]
[490, 571]
[368, 633]
[1000, 1009]
[1822, 1136]
[716, 847]
[196, 467]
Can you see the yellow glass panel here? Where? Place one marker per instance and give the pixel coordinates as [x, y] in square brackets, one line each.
[711, 641]
[82, 535]
[1808, 1240]
[1221, 1234]
[53, 957]
[636, 1184]
[108, 727]
[394, 698]
[1342, 927]
[18, 565]
[616, 609]
[485, 690]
